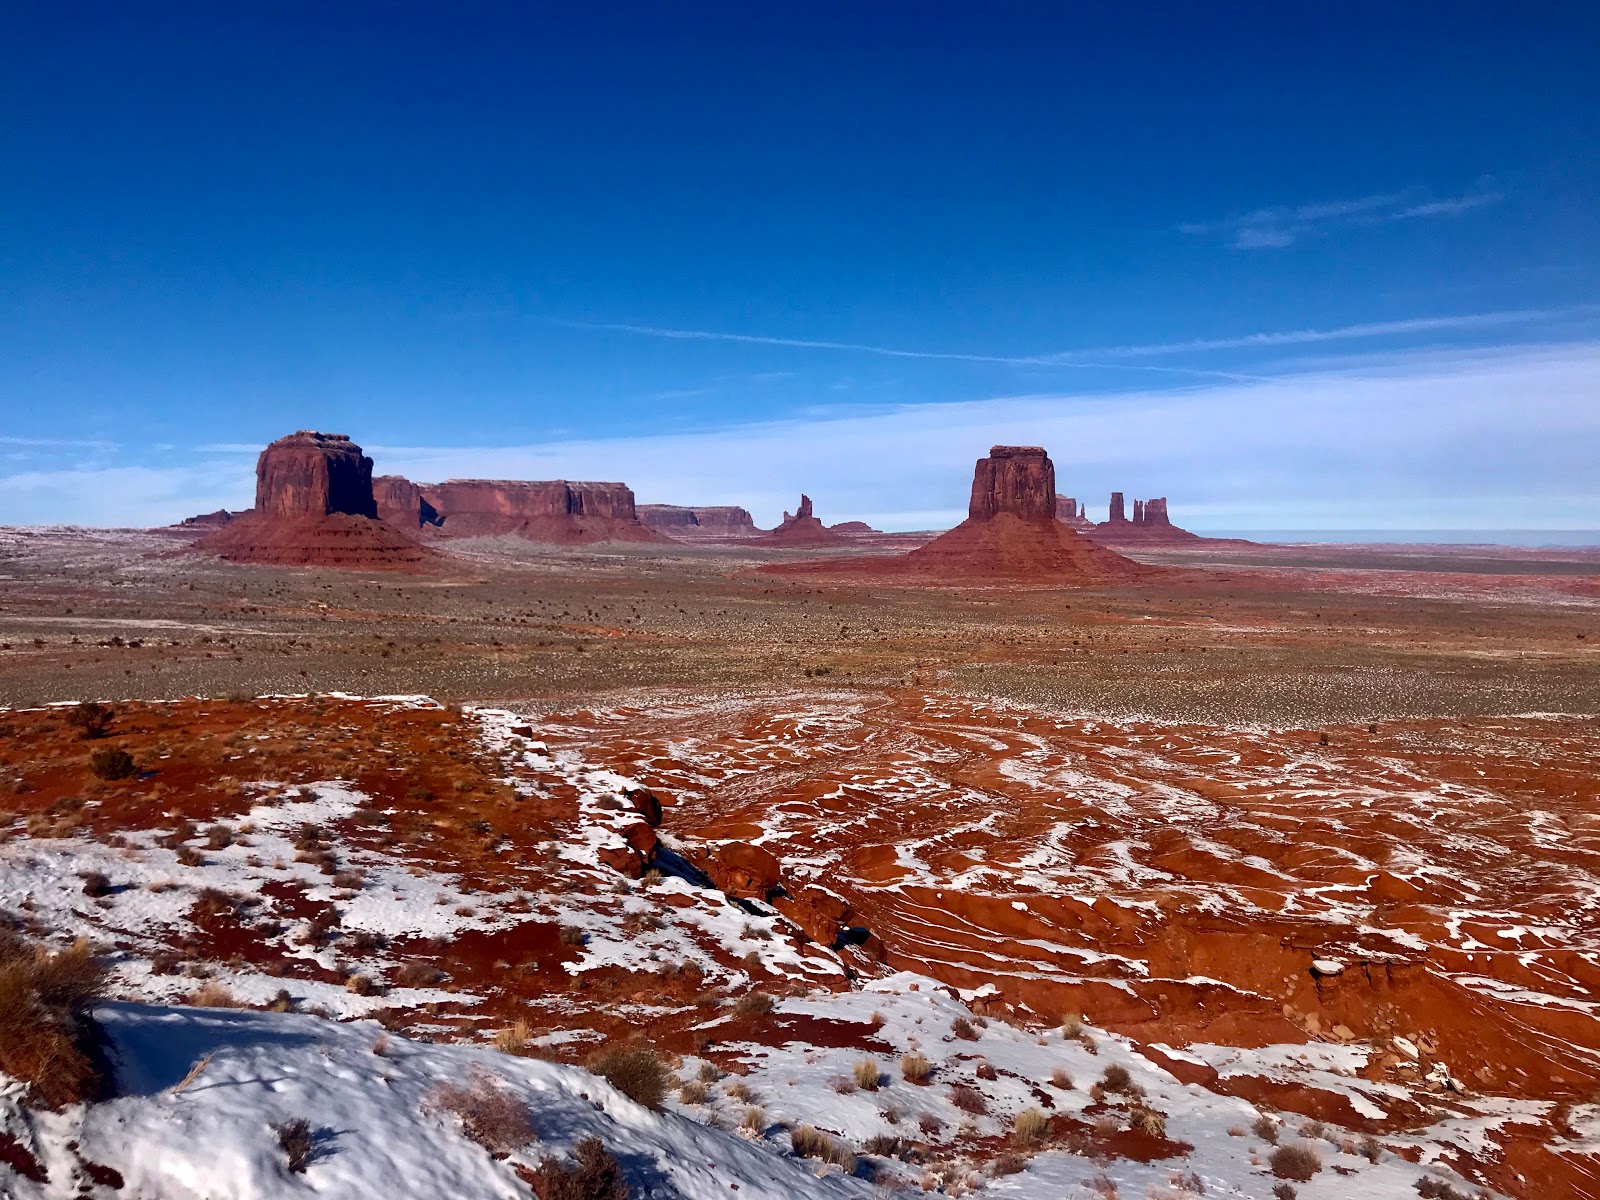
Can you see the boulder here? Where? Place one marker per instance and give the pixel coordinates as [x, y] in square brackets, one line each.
[743, 871]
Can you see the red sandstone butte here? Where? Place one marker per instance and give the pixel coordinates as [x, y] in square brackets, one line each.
[802, 528]
[1011, 533]
[1150, 526]
[1071, 512]
[401, 504]
[314, 507]
[1011, 530]
[699, 521]
[853, 527]
[555, 511]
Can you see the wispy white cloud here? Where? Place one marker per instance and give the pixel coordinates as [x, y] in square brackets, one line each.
[1095, 357]
[1485, 438]
[1284, 225]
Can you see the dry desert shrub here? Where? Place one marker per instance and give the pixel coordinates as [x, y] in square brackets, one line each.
[809, 1142]
[417, 974]
[740, 1091]
[968, 1099]
[634, 1070]
[693, 1092]
[754, 1121]
[1030, 1127]
[884, 1145]
[844, 1085]
[985, 1070]
[867, 1074]
[1298, 1162]
[1284, 1191]
[594, 1175]
[915, 1068]
[297, 1143]
[1265, 1128]
[47, 1036]
[1061, 1078]
[111, 763]
[1117, 1080]
[490, 1114]
[1008, 1162]
[962, 1028]
[753, 1004]
[1072, 1027]
[90, 719]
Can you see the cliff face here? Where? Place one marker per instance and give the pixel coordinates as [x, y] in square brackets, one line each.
[400, 503]
[1020, 480]
[699, 521]
[550, 511]
[315, 507]
[310, 474]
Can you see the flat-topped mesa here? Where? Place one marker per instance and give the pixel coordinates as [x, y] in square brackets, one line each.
[1020, 480]
[554, 510]
[309, 474]
[315, 507]
[698, 521]
[401, 504]
[1155, 512]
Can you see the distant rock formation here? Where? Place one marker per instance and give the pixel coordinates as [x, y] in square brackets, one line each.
[401, 503]
[1068, 510]
[210, 520]
[315, 507]
[557, 511]
[802, 528]
[700, 521]
[853, 527]
[1011, 530]
[1150, 525]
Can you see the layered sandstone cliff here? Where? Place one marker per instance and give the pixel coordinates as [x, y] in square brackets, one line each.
[315, 507]
[699, 521]
[557, 511]
[401, 503]
[1068, 510]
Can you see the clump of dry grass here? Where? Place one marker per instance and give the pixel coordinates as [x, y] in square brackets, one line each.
[693, 1091]
[1072, 1027]
[1061, 1078]
[1265, 1128]
[867, 1074]
[754, 1121]
[1030, 1127]
[1117, 1080]
[915, 1068]
[46, 1033]
[112, 763]
[634, 1070]
[490, 1114]
[962, 1028]
[1147, 1120]
[514, 1038]
[212, 994]
[417, 974]
[809, 1142]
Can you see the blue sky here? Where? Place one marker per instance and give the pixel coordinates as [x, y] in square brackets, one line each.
[1290, 266]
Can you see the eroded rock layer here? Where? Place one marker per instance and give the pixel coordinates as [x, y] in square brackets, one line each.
[712, 520]
[400, 502]
[557, 511]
